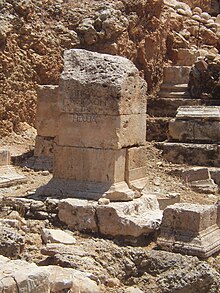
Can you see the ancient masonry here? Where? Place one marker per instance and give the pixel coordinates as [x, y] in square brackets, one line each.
[94, 126]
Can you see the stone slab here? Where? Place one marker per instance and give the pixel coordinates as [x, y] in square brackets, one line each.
[194, 130]
[9, 176]
[176, 74]
[205, 186]
[190, 229]
[47, 110]
[195, 174]
[191, 153]
[93, 83]
[135, 218]
[5, 157]
[199, 112]
[101, 131]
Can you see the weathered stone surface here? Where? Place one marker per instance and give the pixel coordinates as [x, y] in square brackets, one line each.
[195, 174]
[186, 57]
[190, 229]
[89, 164]
[44, 146]
[57, 236]
[193, 154]
[11, 241]
[194, 130]
[112, 132]
[94, 83]
[135, 218]
[176, 74]
[5, 157]
[67, 278]
[47, 110]
[199, 112]
[136, 170]
[20, 276]
[78, 214]
[205, 186]
[166, 200]
[9, 176]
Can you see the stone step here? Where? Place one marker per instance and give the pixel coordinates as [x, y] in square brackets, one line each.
[176, 74]
[167, 107]
[157, 128]
[191, 153]
[174, 87]
[174, 94]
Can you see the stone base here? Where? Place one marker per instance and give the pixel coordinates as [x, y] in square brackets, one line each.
[87, 190]
[9, 177]
[135, 218]
[203, 245]
[5, 157]
[190, 229]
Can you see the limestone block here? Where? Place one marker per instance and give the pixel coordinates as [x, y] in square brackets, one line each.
[28, 277]
[194, 130]
[186, 57]
[190, 229]
[176, 74]
[44, 146]
[87, 164]
[166, 200]
[57, 236]
[5, 157]
[134, 218]
[211, 113]
[195, 174]
[62, 279]
[47, 110]
[101, 131]
[205, 186]
[136, 170]
[10, 177]
[78, 214]
[94, 83]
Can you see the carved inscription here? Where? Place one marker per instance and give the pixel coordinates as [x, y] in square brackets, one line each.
[90, 118]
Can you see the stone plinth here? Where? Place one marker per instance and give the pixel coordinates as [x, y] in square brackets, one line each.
[190, 229]
[99, 115]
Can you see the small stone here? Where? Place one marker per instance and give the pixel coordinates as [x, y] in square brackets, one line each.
[103, 201]
[57, 236]
[45, 173]
[197, 10]
[113, 282]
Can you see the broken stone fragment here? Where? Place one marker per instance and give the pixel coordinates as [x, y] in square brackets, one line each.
[135, 218]
[57, 236]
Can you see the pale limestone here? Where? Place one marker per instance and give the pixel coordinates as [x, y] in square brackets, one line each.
[195, 174]
[113, 132]
[101, 84]
[134, 218]
[176, 74]
[5, 157]
[205, 186]
[199, 112]
[190, 229]
[44, 146]
[57, 236]
[47, 110]
[9, 176]
[194, 130]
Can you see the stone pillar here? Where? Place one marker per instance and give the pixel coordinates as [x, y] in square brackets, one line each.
[102, 124]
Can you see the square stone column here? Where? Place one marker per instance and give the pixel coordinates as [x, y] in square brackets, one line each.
[102, 102]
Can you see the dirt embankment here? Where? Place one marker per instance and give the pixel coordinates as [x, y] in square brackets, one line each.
[34, 34]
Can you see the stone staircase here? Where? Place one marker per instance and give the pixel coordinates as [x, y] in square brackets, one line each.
[186, 129]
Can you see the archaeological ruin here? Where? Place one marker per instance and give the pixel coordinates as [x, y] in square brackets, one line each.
[110, 146]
